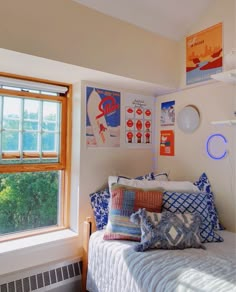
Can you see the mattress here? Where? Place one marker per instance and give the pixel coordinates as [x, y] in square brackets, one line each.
[114, 266]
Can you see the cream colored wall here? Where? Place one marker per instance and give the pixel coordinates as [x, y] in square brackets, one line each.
[66, 31]
[215, 101]
[96, 164]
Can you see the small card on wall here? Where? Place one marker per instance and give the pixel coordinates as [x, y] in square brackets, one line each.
[167, 146]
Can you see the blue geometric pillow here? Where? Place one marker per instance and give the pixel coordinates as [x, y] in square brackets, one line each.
[204, 186]
[167, 230]
[100, 205]
[192, 203]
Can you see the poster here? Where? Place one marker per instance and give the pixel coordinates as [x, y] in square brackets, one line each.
[102, 117]
[204, 54]
[139, 120]
[167, 146]
[168, 113]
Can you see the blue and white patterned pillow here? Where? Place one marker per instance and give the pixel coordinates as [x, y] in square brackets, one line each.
[192, 203]
[204, 185]
[100, 205]
[167, 230]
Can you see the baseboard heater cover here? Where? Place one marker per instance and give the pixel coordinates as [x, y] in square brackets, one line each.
[45, 280]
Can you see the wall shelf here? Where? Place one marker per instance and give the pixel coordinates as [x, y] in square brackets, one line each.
[226, 123]
[227, 76]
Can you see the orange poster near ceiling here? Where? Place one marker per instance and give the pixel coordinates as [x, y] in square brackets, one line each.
[167, 146]
[204, 54]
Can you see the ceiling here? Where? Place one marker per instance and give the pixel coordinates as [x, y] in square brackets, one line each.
[170, 18]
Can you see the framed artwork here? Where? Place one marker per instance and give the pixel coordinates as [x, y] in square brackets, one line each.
[204, 51]
[167, 146]
[168, 113]
[102, 117]
[139, 120]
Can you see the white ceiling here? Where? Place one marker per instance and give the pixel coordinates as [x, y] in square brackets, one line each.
[170, 18]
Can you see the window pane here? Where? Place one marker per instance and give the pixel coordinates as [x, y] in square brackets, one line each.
[11, 124]
[49, 126]
[30, 141]
[50, 111]
[29, 125]
[28, 200]
[49, 141]
[11, 112]
[10, 141]
[31, 109]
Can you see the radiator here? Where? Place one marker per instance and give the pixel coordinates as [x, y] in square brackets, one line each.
[57, 277]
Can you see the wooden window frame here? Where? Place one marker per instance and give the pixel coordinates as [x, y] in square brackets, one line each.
[64, 163]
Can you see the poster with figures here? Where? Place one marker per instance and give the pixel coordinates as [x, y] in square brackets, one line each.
[139, 115]
[168, 113]
[102, 117]
[167, 146]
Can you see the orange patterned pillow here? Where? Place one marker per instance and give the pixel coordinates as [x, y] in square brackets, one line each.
[123, 202]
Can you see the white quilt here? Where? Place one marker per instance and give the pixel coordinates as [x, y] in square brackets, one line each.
[114, 266]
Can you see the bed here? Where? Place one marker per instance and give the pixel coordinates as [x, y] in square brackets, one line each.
[195, 255]
[115, 266]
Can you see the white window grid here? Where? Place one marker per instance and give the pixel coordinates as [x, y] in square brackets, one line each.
[40, 132]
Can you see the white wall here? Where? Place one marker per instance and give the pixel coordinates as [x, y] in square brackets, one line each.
[66, 31]
[215, 101]
[96, 164]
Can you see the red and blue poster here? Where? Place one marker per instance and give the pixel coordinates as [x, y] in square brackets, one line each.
[204, 53]
[102, 117]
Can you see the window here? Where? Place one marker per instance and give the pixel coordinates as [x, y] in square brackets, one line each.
[35, 139]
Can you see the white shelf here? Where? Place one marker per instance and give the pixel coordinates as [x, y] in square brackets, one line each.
[227, 76]
[226, 122]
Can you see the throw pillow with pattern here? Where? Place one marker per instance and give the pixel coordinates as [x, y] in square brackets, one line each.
[167, 230]
[204, 185]
[193, 203]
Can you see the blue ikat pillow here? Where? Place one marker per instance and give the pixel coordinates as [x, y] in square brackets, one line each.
[167, 230]
[100, 204]
[204, 185]
[193, 203]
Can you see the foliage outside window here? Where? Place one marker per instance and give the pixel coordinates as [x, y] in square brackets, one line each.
[34, 160]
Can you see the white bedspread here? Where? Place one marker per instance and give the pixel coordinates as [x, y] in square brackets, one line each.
[114, 266]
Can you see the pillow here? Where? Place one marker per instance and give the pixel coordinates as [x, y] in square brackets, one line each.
[172, 186]
[160, 176]
[191, 203]
[125, 201]
[147, 177]
[150, 176]
[100, 202]
[167, 230]
[204, 185]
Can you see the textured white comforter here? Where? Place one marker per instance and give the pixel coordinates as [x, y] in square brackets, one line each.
[114, 266]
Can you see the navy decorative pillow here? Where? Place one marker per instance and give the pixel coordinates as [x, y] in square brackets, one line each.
[167, 230]
[192, 203]
[100, 205]
[204, 185]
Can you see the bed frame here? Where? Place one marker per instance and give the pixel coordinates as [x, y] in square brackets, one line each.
[89, 228]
